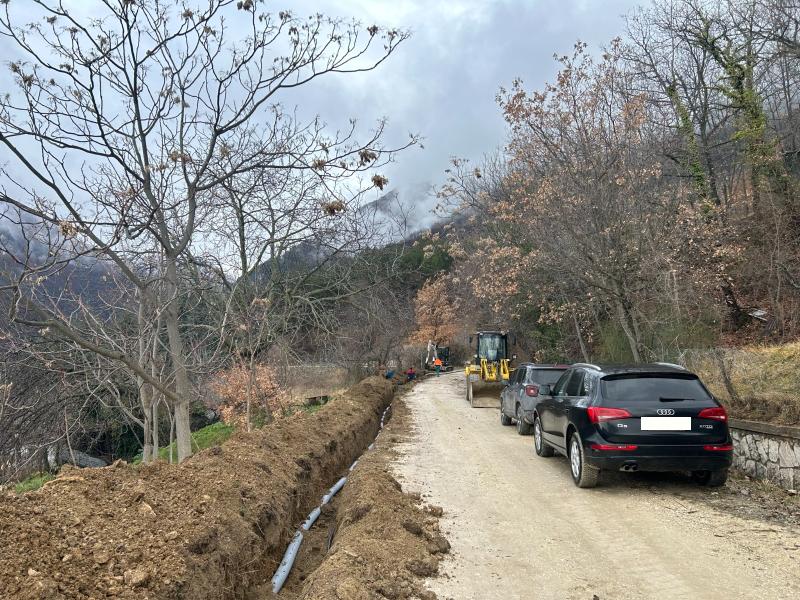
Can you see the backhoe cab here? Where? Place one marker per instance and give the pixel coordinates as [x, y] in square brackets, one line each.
[490, 368]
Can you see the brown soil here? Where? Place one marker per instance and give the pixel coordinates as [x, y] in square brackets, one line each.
[756, 500]
[214, 527]
[384, 542]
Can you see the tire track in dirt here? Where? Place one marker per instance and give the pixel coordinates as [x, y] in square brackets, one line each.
[520, 529]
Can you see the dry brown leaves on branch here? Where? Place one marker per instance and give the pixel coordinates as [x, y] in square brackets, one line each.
[436, 313]
[235, 384]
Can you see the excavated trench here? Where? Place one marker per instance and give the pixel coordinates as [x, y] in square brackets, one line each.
[214, 527]
[372, 540]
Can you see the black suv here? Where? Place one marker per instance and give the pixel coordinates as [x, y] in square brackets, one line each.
[654, 417]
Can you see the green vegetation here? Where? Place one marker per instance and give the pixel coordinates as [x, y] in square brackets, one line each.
[313, 408]
[34, 482]
[211, 435]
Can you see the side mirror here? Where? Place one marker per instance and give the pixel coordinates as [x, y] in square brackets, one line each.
[545, 390]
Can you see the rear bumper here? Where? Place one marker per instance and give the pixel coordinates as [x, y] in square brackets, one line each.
[660, 458]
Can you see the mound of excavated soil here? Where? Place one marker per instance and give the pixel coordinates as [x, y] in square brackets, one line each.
[383, 543]
[213, 527]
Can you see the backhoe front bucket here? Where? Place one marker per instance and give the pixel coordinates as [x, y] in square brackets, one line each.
[483, 394]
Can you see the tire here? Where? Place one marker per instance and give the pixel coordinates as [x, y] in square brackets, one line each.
[542, 448]
[523, 428]
[505, 420]
[583, 475]
[715, 478]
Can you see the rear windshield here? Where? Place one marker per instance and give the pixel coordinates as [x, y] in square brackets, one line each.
[652, 387]
[545, 376]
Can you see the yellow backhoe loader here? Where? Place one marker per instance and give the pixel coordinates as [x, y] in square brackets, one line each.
[489, 369]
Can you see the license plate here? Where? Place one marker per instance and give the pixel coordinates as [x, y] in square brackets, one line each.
[666, 423]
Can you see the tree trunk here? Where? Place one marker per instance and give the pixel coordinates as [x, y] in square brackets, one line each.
[736, 314]
[251, 384]
[155, 432]
[581, 341]
[147, 447]
[183, 434]
[725, 373]
[157, 396]
[637, 331]
[623, 317]
[145, 389]
[712, 175]
[171, 436]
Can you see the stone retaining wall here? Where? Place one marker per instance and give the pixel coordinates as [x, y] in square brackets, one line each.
[765, 451]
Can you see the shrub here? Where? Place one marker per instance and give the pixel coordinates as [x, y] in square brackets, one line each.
[237, 384]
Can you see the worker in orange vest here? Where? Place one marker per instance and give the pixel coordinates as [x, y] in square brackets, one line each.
[437, 365]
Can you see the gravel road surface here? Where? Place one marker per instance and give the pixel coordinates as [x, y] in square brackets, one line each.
[519, 528]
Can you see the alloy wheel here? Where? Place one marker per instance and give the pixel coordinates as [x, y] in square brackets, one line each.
[575, 457]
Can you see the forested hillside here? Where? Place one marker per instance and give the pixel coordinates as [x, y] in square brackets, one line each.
[646, 201]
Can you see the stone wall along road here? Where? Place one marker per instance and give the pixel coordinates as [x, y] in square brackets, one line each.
[765, 451]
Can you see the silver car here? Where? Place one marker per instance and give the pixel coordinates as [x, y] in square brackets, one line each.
[519, 398]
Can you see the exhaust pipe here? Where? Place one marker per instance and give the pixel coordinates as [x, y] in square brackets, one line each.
[629, 467]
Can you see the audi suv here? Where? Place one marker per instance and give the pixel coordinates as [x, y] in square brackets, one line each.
[653, 417]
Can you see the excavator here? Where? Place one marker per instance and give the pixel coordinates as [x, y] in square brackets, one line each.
[436, 351]
[489, 369]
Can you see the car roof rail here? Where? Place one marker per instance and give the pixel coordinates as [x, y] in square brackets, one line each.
[667, 364]
[588, 365]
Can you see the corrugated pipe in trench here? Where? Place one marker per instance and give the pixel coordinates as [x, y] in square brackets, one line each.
[283, 570]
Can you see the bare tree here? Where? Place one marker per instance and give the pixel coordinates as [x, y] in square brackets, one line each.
[123, 128]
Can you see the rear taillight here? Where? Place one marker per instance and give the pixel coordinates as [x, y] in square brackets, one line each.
[716, 413]
[719, 447]
[532, 390]
[624, 447]
[598, 414]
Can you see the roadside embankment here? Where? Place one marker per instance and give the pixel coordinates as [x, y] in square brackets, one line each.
[756, 383]
[213, 527]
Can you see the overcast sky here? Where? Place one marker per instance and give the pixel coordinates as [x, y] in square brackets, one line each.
[443, 81]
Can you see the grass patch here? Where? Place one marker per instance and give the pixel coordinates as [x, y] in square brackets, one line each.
[34, 482]
[762, 381]
[211, 435]
[313, 408]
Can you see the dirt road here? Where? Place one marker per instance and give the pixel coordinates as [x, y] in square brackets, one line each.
[519, 528]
